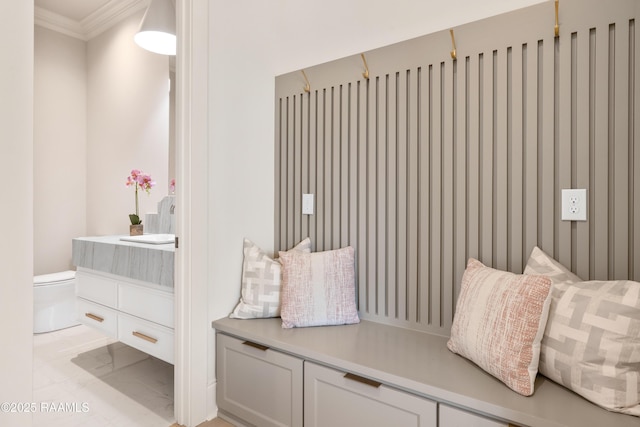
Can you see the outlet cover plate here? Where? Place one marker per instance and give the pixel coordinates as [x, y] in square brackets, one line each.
[307, 204]
[574, 204]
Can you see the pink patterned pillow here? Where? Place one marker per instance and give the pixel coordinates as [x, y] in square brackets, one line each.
[318, 288]
[499, 322]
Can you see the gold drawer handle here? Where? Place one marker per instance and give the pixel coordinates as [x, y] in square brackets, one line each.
[256, 345]
[94, 317]
[144, 337]
[362, 380]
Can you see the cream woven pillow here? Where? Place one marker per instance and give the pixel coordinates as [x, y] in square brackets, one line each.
[318, 288]
[499, 322]
[591, 344]
[261, 282]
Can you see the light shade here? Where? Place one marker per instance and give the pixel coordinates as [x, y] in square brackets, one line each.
[158, 28]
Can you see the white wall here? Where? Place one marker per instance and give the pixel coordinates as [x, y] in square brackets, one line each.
[16, 215]
[127, 126]
[250, 43]
[59, 143]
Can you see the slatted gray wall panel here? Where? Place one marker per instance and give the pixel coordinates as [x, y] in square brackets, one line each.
[431, 161]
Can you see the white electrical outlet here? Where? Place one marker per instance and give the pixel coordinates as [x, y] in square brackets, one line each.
[574, 204]
[307, 204]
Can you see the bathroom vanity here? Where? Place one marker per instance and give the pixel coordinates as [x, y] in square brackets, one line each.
[125, 290]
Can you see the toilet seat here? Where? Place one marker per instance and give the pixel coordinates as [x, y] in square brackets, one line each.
[48, 279]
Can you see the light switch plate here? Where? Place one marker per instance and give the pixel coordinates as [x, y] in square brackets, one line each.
[307, 204]
[574, 204]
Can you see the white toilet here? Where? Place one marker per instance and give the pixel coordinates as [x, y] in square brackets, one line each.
[54, 299]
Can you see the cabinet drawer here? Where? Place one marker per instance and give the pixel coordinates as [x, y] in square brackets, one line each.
[96, 288]
[260, 386]
[146, 336]
[454, 417]
[333, 398]
[97, 316]
[145, 302]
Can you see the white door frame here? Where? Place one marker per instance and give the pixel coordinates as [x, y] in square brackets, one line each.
[192, 218]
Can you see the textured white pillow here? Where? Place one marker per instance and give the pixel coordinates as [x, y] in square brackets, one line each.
[261, 282]
[591, 344]
[318, 288]
[499, 322]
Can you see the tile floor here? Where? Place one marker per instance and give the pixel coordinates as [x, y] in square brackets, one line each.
[102, 382]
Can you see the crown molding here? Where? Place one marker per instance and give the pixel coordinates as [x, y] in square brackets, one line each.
[94, 24]
[59, 23]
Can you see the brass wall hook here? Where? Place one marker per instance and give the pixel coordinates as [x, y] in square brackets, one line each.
[454, 54]
[366, 67]
[307, 87]
[556, 29]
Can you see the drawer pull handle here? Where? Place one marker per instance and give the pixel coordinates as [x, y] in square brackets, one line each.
[144, 337]
[94, 317]
[255, 345]
[362, 380]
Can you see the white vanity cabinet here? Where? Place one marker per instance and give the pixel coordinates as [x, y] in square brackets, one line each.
[136, 313]
[258, 385]
[338, 399]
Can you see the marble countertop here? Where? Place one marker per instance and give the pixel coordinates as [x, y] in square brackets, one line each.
[140, 261]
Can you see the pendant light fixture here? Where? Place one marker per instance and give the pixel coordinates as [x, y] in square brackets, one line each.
[158, 28]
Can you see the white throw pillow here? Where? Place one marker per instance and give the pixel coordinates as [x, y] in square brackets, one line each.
[591, 344]
[499, 322]
[261, 282]
[318, 288]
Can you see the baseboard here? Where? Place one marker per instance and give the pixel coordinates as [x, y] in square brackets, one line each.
[212, 406]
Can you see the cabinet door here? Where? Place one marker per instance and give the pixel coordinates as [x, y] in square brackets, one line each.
[258, 385]
[147, 303]
[93, 287]
[149, 337]
[333, 398]
[97, 316]
[453, 417]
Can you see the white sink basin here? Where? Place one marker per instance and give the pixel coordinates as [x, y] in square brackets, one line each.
[153, 239]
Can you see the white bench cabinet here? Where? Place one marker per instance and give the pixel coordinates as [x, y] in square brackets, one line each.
[257, 385]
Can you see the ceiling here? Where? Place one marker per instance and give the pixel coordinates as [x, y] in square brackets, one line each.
[76, 10]
[84, 19]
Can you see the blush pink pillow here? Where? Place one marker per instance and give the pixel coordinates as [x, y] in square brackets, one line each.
[499, 322]
[318, 288]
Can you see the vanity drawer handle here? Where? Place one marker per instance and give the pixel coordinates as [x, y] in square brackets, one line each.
[144, 337]
[94, 317]
[362, 380]
[255, 345]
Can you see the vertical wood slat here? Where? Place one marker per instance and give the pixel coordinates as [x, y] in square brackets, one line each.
[391, 202]
[433, 161]
[515, 182]
[501, 161]
[447, 260]
[600, 175]
[460, 137]
[582, 167]
[435, 194]
[546, 172]
[564, 141]
[486, 156]
[635, 159]
[413, 188]
[362, 160]
[305, 163]
[381, 195]
[313, 162]
[620, 231]
[402, 169]
[424, 204]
